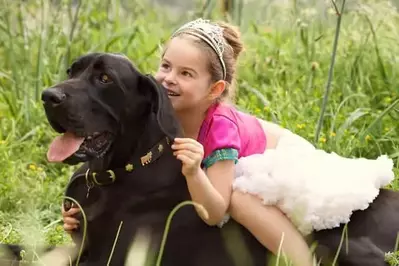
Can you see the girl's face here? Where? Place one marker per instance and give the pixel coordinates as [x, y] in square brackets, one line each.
[184, 73]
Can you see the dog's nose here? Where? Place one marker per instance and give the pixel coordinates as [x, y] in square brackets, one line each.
[53, 95]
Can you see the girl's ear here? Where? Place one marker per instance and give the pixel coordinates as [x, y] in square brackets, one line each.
[217, 89]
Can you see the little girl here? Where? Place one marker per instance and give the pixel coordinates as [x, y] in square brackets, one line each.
[198, 68]
[227, 153]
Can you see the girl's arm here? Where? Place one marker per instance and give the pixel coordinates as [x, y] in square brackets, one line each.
[212, 189]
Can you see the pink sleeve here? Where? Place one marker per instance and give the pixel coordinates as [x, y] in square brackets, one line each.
[223, 134]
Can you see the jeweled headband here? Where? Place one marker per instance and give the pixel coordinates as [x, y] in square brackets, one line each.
[210, 33]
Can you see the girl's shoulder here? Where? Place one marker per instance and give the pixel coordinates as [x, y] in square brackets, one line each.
[227, 129]
[219, 120]
[223, 109]
[225, 112]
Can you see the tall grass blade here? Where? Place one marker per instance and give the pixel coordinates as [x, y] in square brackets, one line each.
[331, 71]
[377, 51]
[379, 118]
[74, 23]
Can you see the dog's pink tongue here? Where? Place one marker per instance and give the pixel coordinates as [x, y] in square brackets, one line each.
[63, 146]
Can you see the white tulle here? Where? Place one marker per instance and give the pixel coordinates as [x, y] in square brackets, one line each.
[315, 189]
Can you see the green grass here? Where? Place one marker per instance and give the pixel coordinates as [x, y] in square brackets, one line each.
[282, 77]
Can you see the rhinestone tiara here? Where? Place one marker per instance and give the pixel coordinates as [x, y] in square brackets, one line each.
[210, 33]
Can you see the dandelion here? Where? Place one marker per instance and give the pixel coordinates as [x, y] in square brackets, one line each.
[333, 134]
[315, 66]
[32, 167]
[323, 139]
[300, 126]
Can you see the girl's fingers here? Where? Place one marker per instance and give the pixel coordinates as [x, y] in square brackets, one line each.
[69, 227]
[181, 140]
[70, 212]
[188, 146]
[185, 159]
[187, 140]
[195, 157]
[188, 153]
[71, 221]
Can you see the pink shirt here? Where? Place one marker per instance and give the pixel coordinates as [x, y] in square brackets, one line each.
[225, 127]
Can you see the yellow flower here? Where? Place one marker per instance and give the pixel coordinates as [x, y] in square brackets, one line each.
[388, 99]
[300, 126]
[32, 167]
[333, 134]
[257, 110]
[368, 138]
[323, 139]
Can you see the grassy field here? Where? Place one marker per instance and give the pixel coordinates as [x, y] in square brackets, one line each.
[282, 77]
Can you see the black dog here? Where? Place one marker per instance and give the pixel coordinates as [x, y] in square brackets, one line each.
[120, 123]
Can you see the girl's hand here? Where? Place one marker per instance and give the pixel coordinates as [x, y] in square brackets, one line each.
[191, 153]
[70, 222]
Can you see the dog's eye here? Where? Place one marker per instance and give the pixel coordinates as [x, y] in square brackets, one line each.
[104, 78]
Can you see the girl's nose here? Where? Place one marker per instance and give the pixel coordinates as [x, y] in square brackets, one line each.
[170, 78]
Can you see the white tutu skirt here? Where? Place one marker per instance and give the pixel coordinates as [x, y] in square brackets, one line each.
[315, 189]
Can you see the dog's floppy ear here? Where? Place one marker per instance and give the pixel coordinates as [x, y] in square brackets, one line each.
[161, 106]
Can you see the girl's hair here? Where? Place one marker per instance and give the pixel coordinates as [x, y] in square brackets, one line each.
[232, 50]
[231, 53]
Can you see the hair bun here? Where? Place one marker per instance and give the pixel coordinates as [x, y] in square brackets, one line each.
[232, 35]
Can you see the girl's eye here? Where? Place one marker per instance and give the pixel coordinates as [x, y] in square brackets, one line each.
[104, 78]
[164, 66]
[187, 74]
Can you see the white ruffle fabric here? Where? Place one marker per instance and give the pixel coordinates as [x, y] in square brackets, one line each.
[315, 189]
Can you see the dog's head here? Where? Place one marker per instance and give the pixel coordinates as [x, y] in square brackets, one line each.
[91, 108]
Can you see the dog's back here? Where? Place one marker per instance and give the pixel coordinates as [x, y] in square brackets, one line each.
[366, 239]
